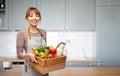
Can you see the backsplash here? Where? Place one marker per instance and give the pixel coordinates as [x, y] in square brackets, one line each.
[79, 45]
[8, 43]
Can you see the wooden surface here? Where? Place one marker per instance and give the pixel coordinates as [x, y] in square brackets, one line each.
[87, 71]
[47, 69]
[21, 60]
[11, 60]
[16, 71]
[72, 71]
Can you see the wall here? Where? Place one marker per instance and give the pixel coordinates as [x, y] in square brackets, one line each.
[8, 42]
[80, 45]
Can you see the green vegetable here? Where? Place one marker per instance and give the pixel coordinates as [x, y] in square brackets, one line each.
[42, 49]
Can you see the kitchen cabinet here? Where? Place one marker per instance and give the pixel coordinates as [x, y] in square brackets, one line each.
[8, 63]
[56, 14]
[1, 66]
[108, 28]
[17, 11]
[67, 14]
[53, 14]
[3, 14]
[80, 14]
[15, 71]
[107, 3]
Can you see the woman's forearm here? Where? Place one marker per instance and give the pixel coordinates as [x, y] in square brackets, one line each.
[29, 55]
[24, 56]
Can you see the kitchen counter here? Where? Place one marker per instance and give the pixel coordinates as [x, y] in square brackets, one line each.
[8, 63]
[6, 59]
[22, 60]
[16, 71]
[11, 60]
[71, 71]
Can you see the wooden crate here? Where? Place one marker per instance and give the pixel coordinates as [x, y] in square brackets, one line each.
[49, 65]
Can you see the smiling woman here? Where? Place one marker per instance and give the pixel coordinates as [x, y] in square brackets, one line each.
[28, 38]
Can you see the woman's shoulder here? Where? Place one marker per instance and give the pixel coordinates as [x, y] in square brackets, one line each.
[43, 31]
[23, 32]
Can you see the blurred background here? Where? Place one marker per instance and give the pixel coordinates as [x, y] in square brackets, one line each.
[90, 29]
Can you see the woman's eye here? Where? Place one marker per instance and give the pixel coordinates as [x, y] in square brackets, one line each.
[31, 16]
[37, 16]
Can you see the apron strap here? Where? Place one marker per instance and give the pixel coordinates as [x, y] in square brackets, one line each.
[38, 31]
[29, 33]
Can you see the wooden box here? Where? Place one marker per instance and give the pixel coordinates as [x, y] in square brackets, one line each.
[49, 65]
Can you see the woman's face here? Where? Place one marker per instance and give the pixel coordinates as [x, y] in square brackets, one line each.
[33, 19]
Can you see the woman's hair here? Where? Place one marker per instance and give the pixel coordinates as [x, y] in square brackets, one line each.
[32, 9]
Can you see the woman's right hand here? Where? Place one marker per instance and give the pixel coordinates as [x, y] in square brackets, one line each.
[32, 57]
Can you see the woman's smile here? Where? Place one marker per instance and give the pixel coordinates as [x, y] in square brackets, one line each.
[33, 19]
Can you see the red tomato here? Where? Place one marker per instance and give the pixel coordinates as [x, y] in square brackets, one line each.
[50, 56]
[53, 51]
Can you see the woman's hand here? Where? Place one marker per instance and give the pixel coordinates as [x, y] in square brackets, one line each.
[32, 57]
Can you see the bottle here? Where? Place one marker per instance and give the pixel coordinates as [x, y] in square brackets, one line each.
[60, 48]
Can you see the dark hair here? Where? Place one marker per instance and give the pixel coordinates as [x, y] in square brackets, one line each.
[32, 9]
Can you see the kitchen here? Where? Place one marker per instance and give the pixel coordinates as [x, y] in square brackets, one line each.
[93, 38]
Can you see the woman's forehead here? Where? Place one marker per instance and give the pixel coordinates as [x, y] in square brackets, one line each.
[32, 12]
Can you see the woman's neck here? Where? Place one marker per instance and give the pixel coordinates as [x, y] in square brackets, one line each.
[33, 29]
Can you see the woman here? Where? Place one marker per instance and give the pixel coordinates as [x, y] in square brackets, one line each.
[28, 38]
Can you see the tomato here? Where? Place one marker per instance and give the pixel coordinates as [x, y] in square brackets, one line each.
[50, 56]
[53, 50]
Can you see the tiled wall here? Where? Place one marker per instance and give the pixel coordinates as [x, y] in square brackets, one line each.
[80, 45]
[8, 43]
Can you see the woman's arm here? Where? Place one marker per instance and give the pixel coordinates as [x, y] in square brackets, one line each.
[20, 46]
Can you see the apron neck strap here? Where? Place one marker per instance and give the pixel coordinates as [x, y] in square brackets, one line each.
[29, 35]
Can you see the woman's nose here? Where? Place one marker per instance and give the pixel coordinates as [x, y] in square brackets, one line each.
[34, 17]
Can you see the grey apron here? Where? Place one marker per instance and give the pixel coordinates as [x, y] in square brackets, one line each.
[33, 42]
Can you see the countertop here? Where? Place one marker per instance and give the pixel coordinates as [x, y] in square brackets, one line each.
[16, 71]
[10, 59]
[71, 71]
